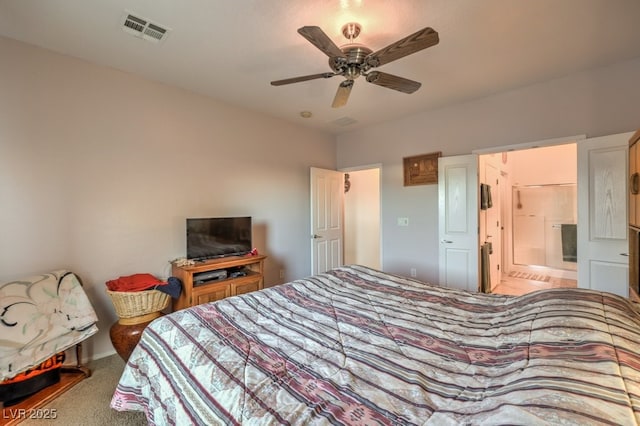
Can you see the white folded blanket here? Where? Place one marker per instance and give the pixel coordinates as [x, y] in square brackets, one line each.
[40, 316]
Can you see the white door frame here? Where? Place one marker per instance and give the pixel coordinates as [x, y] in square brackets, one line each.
[492, 225]
[529, 145]
[377, 166]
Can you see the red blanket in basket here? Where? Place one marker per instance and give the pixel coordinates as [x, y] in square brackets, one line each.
[135, 282]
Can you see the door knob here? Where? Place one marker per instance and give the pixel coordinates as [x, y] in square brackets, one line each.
[447, 241]
[316, 236]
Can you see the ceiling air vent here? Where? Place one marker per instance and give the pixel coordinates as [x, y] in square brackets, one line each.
[344, 121]
[143, 28]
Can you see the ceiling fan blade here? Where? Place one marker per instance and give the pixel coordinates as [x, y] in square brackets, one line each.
[342, 95]
[319, 39]
[302, 78]
[394, 82]
[419, 40]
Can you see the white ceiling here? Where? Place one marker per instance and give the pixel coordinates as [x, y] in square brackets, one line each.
[230, 50]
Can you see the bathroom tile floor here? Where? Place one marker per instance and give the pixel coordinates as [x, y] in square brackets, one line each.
[518, 286]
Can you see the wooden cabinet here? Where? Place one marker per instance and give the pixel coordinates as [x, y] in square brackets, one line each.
[634, 216]
[195, 292]
[634, 180]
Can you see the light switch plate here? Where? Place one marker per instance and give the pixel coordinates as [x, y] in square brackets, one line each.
[403, 221]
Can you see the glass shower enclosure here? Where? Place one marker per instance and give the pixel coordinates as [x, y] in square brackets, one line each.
[544, 226]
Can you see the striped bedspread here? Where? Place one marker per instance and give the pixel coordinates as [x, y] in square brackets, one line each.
[357, 346]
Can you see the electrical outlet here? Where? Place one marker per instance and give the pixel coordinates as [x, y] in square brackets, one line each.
[414, 273]
[281, 273]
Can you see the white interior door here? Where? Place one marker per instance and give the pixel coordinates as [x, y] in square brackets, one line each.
[327, 201]
[603, 262]
[458, 221]
[493, 225]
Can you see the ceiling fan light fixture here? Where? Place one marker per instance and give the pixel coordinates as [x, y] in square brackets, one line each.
[351, 30]
[305, 114]
[353, 59]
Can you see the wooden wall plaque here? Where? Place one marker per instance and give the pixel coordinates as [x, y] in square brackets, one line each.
[421, 169]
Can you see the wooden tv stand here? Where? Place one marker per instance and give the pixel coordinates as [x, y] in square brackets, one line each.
[211, 291]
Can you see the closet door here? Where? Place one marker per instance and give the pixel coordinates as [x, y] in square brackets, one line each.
[458, 221]
[602, 214]
[633, 196]
[634, 182]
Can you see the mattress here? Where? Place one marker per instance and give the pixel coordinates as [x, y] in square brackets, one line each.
[357, 346]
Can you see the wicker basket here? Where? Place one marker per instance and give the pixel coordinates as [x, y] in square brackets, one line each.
[137, 303]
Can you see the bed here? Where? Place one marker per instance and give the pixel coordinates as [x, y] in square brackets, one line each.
[357, 346]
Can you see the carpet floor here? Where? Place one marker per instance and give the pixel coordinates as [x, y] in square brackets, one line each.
[87, 403]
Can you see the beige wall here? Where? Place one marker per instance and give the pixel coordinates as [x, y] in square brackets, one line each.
[99, 169]
[598, 102]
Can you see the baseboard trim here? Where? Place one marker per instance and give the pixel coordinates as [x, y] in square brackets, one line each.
[101, 355]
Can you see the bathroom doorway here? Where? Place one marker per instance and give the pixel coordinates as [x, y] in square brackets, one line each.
[538, 216]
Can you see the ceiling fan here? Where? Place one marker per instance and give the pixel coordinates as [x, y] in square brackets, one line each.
[353, 60]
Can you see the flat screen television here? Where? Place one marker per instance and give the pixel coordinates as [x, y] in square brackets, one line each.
[209, 238]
